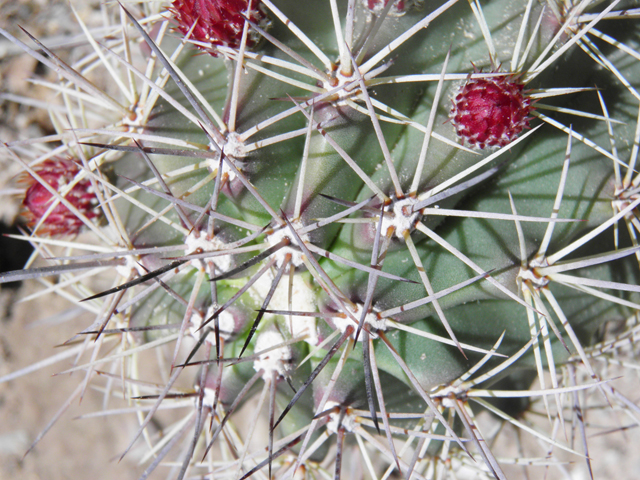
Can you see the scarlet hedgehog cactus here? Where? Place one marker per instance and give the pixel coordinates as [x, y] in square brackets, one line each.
[312, 274]
[490, 111]
[217, 22]
[48, 215]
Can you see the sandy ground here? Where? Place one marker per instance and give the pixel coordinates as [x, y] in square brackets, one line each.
[82, 449]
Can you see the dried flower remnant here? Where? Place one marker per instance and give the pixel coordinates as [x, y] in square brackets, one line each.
[490, 111]
[58, 173]
[217, 22]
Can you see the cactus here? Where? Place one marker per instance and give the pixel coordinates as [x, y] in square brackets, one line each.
[374, 223]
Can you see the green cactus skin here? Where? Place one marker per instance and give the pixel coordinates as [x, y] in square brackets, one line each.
[223, 194]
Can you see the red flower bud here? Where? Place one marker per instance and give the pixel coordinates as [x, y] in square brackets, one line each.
[218, 22]
[490, 112]
[58, 172]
